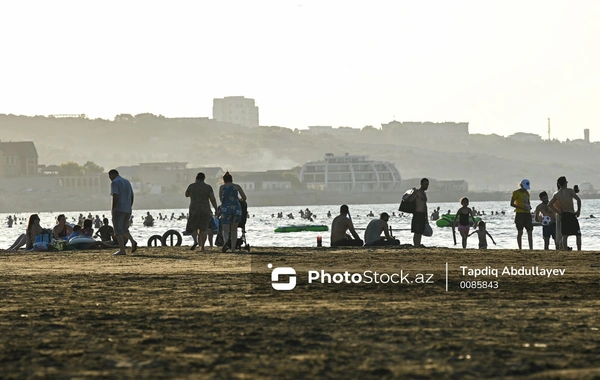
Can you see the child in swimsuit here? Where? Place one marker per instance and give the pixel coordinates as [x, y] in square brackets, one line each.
[463, 214]
[482, 234]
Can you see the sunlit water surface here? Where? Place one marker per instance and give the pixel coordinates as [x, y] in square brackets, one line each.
[260, 226]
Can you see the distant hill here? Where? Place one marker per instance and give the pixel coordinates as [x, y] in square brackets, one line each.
[489, 162]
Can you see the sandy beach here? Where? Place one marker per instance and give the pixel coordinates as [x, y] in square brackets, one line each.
[168, 312]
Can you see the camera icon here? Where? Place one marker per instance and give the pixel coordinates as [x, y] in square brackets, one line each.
[282, 271]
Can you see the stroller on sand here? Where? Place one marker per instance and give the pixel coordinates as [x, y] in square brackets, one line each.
[241, 240]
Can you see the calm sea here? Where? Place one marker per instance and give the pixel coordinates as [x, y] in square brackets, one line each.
[260, 226]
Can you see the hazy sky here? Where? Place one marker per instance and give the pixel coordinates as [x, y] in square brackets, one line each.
[504, 66]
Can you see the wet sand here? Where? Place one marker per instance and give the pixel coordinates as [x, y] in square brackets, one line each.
[170, 313]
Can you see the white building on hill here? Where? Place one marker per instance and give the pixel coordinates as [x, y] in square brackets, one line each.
[237, 110]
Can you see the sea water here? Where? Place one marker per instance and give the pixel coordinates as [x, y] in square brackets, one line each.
[260, 225]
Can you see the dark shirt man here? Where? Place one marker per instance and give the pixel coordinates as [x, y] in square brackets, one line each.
[122, 203]
[419, 219]
[106, 232]
[200, 194]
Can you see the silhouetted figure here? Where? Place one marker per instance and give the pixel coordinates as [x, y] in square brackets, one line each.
[148, 220]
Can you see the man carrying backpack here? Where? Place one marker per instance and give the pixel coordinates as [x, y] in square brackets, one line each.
[419, 219]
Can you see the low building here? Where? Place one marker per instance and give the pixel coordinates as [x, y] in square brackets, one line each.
[18, 159]
[262, 181]
[169, 174]
[437, 185]
[525, 137]
[350, 173]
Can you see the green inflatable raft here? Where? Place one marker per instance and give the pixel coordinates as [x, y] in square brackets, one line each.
[446, 220]
[299, 228]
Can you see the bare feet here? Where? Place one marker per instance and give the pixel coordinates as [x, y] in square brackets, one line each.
[193, 246]
[133, 246]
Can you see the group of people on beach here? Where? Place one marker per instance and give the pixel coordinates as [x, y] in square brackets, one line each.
[558, 217]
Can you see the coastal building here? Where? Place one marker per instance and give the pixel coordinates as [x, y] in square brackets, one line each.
[169, 174]
[237, 110]
[263, 181]
[437, 185]
[350, 173]
[18, 159]
[525, 137]
[314, 130]
[427, 133]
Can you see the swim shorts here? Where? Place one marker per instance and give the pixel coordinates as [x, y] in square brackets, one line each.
[419, 220]
[523, 220]
[569, 225]
[549, 230]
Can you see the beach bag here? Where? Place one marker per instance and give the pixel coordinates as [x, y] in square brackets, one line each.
[405, 206]
[44, 237]
[428, 232]
[41, 246]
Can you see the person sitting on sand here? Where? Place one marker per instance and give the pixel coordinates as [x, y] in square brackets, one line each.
[87, 231]
[62, 229]
[87, 228]
[463, 214]
[375, 228]
[76, 232]
[106, 232]
[340, 225]
[28, 238]
[482, 234]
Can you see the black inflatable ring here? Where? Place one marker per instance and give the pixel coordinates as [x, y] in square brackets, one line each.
[154, 240]
[167, 238]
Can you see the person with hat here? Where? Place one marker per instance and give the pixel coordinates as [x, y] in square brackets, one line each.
[374, 230]
[520, 200]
